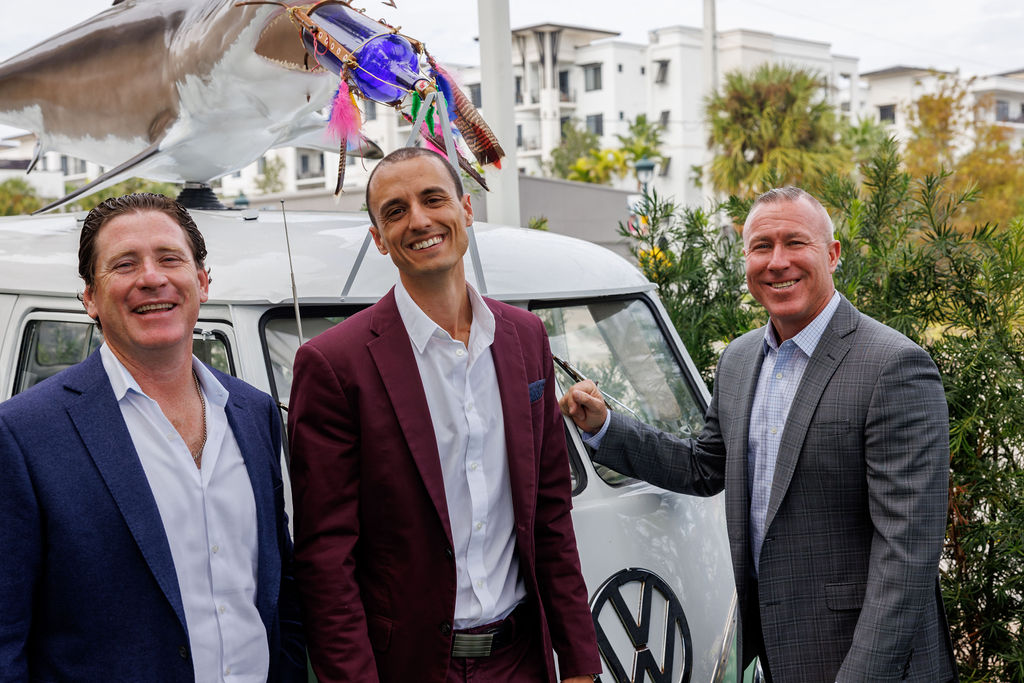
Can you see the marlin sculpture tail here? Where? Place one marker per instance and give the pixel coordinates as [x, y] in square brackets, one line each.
[172, 90]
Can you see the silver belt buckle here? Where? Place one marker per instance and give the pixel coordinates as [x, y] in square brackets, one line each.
[472, 644]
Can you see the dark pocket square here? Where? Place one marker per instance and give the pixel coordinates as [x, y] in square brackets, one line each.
[537, 389]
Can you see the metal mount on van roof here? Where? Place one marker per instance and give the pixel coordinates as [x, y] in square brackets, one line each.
[199, 196]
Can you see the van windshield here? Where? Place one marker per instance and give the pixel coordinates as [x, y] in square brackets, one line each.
[619, 344]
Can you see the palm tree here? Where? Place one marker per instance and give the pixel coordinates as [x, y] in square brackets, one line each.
[771, 126]
[643, 141]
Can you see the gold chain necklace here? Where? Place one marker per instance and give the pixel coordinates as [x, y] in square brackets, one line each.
[197, 455]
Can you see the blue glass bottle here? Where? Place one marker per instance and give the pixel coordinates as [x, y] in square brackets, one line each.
[388, 64]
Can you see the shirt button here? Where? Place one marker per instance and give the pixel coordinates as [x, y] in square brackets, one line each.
[215, 549]
[222, 609]
[460, 353]
[479, 584]
[479, 526]
[473, 466]
[227, 671]
[778, 375]
[773, 430]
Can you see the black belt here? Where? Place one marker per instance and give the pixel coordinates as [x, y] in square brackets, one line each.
[485, 643]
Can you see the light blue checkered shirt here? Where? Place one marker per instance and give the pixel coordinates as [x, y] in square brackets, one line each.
[780, 376]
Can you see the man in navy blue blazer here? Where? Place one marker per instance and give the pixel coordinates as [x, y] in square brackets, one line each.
[144, 536]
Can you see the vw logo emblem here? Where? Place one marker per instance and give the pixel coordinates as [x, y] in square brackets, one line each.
[641, 630]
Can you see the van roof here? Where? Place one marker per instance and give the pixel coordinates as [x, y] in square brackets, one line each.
[248, 259]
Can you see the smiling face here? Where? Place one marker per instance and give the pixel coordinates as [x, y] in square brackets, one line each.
[146, 287]
[421, 222]
[790, 258]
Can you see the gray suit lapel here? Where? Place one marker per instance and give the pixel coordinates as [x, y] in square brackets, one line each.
[832, 348]
[737, 383]
[92, 407]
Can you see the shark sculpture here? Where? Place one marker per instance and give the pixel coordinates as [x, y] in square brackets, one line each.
[172, 90]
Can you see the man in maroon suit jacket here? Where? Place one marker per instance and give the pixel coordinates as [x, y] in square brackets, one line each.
[380, 556]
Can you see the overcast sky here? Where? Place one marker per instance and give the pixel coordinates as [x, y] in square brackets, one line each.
[976, 36]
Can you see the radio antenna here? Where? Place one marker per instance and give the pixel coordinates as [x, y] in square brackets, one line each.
[291, 272]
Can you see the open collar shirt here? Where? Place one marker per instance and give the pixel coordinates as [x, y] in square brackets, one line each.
[781, 371]
[461, 388]
[209, 518]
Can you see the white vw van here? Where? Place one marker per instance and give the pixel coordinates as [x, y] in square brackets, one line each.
[656, 563]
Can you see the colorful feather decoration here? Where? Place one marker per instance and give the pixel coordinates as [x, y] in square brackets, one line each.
[478, 135]
[343, 123]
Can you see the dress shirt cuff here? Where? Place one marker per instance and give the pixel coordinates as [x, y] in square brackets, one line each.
[594, 440]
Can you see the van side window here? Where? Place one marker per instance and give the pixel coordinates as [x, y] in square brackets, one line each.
[619, 344]
[49, 346]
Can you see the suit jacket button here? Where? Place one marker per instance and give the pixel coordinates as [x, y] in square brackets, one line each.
[446, 629]
[183, 652]
[449, 554]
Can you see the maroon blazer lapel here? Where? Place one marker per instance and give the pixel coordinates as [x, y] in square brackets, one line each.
[510, 368]
[392, 352]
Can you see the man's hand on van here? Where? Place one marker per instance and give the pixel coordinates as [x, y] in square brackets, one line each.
[584, 403]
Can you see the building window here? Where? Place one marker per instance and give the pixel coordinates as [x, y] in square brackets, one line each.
[592, 77]
[663, 118]
[519, 135]
[474, 95]
[595, 123]
[563, 85]
[620, 68]
[519, 89]
[1002, 110]
[643, 70]
[311, 164]
[662, 74]
[622, 116]
[561, 124]
[369, 110]
[64, 166]
[666, 162]
[887, 113]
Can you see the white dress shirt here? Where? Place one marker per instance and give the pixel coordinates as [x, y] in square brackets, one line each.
[209, 518]
[465, 408]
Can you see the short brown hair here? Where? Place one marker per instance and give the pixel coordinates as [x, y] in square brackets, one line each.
[791, 193]
[109, 209]
[405, 154]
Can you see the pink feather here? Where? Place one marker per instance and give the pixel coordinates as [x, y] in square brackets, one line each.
[344, 121]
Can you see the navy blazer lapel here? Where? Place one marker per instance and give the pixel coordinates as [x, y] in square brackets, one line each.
[392, 352]
[92, 407]
[513, 385]
[242, 418]
[832, 348]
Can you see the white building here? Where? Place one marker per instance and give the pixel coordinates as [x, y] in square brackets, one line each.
[892, 91]
[51, 172]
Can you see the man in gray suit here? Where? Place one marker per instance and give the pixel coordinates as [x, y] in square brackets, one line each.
[829, 433]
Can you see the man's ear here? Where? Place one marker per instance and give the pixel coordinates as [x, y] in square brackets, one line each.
[204, 285]
[381, 247]
[89, 303]
[467, 206]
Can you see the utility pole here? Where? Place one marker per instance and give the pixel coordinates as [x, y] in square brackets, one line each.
[497, 90]
[710, 78]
